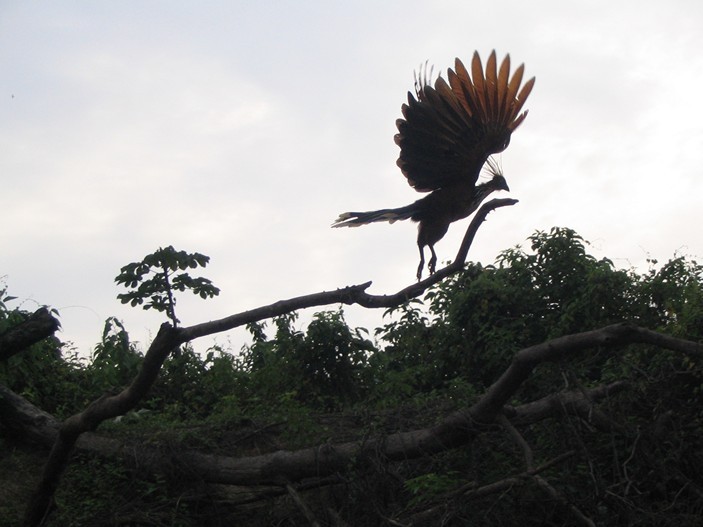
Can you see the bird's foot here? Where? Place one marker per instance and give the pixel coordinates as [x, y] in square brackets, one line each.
[432, 266]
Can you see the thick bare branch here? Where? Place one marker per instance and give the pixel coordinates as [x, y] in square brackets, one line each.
[577, 402]
[29, 423]
[455, 430]
[24, 421]
[104, 408]
[527, 359]
[355, 294]
[38, 326]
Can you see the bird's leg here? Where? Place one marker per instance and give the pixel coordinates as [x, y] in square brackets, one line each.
[422, 263]
[433, 261]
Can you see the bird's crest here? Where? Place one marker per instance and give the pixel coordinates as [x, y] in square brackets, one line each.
[493, 167]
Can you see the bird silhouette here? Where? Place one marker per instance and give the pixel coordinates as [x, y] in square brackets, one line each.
[447, 134]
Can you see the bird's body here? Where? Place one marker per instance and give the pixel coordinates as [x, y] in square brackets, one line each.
[445, 138]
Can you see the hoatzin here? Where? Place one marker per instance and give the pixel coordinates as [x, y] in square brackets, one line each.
[445, 137]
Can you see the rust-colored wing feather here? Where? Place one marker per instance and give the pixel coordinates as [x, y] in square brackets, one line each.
[448, 131]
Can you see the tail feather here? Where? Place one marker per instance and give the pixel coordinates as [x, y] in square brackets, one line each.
[354, 219]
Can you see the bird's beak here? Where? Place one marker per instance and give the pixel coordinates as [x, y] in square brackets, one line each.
[505, 186]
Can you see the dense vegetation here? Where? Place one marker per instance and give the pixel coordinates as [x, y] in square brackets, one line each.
[291, 388]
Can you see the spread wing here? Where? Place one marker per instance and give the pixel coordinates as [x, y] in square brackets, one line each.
[449, 130]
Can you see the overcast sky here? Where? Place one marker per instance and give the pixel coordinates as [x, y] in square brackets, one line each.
[242, 129]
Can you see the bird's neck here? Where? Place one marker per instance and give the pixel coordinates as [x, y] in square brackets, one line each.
[473, 197]
[482, 191]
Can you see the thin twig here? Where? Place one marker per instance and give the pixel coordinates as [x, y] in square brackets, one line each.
[470, 491]
[539, 480]
[307, 512]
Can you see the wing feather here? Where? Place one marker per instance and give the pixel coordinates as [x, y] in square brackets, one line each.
[477, 72]
[518, 103]
[491, 86]
[502, 89]
[462, 87]
[448, 130]
[513, 88]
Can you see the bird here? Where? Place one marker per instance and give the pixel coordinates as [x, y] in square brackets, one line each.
[448, 132]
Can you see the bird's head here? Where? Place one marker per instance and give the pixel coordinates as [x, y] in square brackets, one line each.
[497, 181]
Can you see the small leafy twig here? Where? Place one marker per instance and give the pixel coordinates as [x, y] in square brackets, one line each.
[158, 290]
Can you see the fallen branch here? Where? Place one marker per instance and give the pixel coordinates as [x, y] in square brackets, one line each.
[27, 423]
[36, 327]
[577, 402]
[455, 430]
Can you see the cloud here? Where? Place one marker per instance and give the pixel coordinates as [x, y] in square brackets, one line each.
[241, 131]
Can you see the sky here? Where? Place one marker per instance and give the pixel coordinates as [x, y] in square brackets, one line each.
[242, 129]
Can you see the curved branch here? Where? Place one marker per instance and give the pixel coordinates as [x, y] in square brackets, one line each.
[104, 408]
[355, 294]
[527, 359]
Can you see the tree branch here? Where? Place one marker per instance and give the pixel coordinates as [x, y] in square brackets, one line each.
[577, 402]
[169, 338]
[29, 424]
[355, 294]
[527, 359]
[104, 408]
[456, 429]
[36, 327]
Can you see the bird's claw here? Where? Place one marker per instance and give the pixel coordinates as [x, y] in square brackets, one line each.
[432, 266]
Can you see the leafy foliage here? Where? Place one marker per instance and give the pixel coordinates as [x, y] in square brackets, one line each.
[326, 367]
[157, 291]
[328, 381]
[116, 360]
[44, 373]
